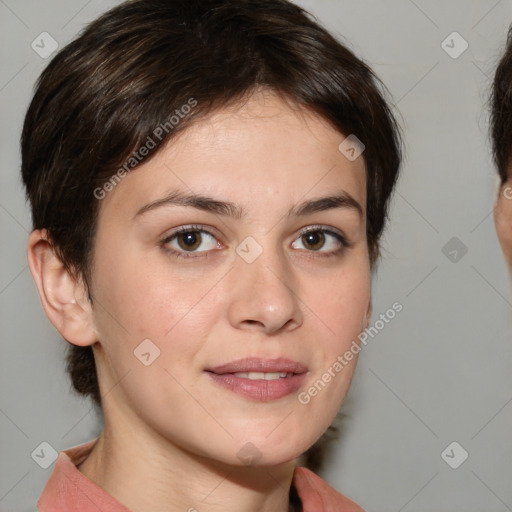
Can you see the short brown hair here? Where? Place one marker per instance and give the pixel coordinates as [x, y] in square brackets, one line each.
[103, 95]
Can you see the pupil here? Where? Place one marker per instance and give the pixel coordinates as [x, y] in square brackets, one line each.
[190, 239]
[315, 238]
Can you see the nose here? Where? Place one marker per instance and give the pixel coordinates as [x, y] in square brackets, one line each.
[263, 295]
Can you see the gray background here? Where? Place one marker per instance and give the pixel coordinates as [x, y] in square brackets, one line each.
[441, 371]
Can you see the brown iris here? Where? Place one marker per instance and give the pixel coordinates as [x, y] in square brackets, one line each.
[189, 240]
[314, 238]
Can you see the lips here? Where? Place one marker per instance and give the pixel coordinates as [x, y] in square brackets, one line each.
[260, 379]
[262, 365]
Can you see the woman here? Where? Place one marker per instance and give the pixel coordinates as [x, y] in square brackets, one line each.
[209, 181]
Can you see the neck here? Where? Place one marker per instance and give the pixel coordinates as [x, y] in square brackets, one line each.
[144, 472]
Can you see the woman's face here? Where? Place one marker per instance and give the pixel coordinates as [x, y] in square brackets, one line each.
[243, 281]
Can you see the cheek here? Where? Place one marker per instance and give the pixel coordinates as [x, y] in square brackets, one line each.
[171, 309]
[161, 307]
[145, 296]
[342, 304]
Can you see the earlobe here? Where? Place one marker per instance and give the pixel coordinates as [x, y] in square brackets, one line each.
[64, 298]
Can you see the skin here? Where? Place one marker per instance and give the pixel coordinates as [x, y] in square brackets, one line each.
[171, 435]
[503, 220]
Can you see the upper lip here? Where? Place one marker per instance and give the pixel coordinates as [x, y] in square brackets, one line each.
[258, 364]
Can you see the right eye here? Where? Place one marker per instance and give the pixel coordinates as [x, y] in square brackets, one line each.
[189, 239]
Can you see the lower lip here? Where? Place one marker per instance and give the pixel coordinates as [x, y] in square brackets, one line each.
[259, 389]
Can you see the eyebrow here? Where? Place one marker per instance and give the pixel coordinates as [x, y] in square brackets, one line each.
[229, 209]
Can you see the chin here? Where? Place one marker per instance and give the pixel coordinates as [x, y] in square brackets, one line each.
[260, 451]
[273, 452]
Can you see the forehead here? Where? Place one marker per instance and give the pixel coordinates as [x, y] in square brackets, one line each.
[263, 151]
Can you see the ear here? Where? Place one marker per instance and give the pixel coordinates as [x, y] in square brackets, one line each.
[64, 299]
[503, 219]
[368, 315]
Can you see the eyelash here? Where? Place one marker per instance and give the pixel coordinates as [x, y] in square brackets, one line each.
[198, 228]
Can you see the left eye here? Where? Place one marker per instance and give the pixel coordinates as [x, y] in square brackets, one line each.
[318, 238]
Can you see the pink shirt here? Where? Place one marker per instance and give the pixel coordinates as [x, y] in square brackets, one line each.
[68, 490]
